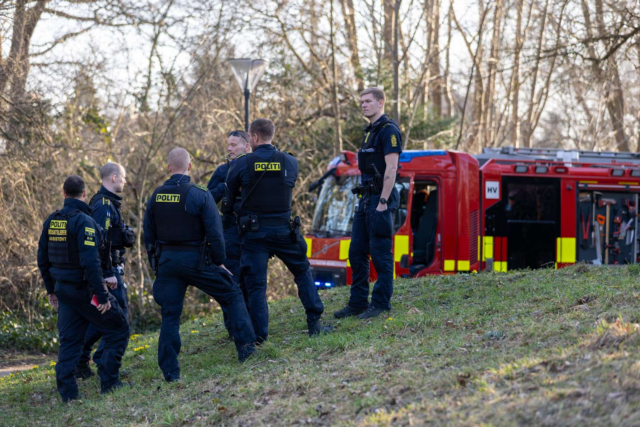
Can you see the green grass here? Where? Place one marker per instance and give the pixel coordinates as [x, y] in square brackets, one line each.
[526, 348]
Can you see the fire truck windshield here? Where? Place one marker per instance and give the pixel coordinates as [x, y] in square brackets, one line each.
[334, 210]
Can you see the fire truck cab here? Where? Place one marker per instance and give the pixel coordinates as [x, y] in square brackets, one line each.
[436, 224]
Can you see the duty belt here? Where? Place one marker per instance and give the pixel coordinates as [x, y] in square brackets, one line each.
[367, 188]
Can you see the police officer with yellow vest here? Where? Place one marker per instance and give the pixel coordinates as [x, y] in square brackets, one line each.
[265, 179]
[183, 237]
[373, 221]
[69, 262]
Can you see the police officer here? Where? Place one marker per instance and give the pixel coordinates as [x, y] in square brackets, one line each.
[183, 237]
[69, 262]
[265, 179]
[373, 221]
[237, 146]
[107, 212]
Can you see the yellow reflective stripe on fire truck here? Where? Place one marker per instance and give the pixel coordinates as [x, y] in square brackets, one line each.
[566, 250]
[487, 248]
[500, 266]
[401, 247]
[464, 265]
[344, 251]
[308, 242]
[449, 265]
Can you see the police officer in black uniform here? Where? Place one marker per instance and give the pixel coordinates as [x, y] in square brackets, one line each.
[265, 179]
[373, 221]
[106, 206]
[237, 146]
[183, 237]
[70, 265]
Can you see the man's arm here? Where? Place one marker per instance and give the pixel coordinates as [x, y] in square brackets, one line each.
[88, 241]
[103, 213]
[201, 204]
[389, 178]
[234, 179]
[149, 230]
[43, 259]
[216, 183]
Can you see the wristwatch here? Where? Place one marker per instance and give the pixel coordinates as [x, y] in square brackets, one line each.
[383, 200]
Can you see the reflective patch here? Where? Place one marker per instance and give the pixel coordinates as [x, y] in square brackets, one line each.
[107, 224]
[89, 231]
[168, 198]
[394, 141]
[366, 138]
[58, 223]
[54, 232]
[89, 243]
[57, 239]
[106, 201]
[266, 166]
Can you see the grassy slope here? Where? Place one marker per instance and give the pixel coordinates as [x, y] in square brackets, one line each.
[486, 349]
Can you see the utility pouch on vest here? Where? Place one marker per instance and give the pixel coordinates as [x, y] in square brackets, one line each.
[128, 237]
[225, 205]
[248, 223]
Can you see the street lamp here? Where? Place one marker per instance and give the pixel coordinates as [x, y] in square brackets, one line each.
[248, 72]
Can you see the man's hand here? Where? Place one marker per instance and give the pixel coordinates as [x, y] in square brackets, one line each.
[53, 300]
[225, 269]
[103, 308]
[381, 207]
[112, 282]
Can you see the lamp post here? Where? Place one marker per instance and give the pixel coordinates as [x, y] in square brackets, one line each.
[248, 72]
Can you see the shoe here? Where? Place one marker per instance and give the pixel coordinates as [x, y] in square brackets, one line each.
[83, 371]
[115, 387]
[246, 352]
[317, 328]
[372, 312]
[348, 311]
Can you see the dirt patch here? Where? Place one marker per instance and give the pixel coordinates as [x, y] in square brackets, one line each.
[12, 362]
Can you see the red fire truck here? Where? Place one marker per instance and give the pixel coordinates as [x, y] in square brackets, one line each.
[503, 209]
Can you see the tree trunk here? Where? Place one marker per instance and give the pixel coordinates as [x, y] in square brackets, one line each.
[491, 75]
[335, 98]
[515, 79]
[450, 103]
[348, 13]
[433, 47]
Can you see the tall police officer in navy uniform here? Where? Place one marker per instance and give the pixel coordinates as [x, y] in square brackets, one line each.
[373, 221]
[69, 262]
[106, 206]
[265, 179]
[183, 236]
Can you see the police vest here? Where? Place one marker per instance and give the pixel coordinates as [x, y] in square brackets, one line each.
[115, 227]
[173, 223]
[62, 245]
[267, 190]
[371, 156]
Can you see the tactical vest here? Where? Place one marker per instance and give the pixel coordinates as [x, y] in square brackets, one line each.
[271, 194]
[62, 244]
[372, 152]
[173, 223]
[115, 230]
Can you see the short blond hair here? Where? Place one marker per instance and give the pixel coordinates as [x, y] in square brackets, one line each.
[375, 91]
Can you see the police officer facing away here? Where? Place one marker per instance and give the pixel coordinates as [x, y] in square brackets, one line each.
[183, 237]
[265, 179]
[69, 262]
[372, 224]
[107, 212]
